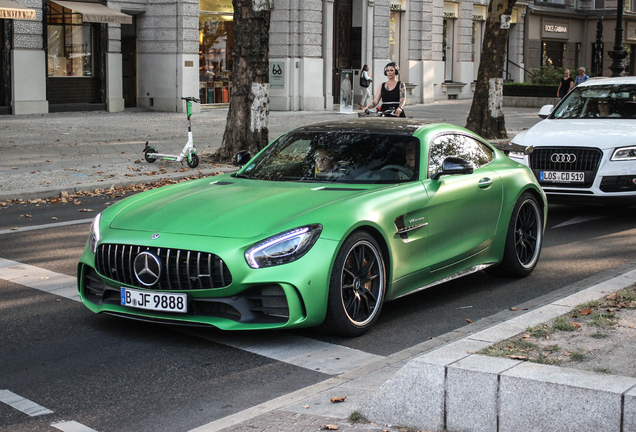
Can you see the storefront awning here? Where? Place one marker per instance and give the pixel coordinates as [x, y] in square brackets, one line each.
[13, 10]
[95, 12]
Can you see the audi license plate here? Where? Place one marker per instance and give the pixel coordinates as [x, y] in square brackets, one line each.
[562, 176]
[165, 302]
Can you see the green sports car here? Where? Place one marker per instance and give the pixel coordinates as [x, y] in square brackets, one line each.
[319, 229]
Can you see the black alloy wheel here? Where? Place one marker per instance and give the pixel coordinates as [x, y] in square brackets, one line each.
[523, 240]
[357, 288]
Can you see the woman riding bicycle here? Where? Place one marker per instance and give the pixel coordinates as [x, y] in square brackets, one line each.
[392, 92]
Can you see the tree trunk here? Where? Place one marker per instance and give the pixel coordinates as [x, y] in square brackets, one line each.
[246, 127]
[486, 113]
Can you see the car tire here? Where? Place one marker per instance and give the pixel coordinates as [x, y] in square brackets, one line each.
[523, 240]
[357, 287]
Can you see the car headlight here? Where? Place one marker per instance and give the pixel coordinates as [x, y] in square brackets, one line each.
[624, 153]
[283, 248]
[93, 236]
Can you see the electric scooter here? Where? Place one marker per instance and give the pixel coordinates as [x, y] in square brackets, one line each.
[189, 152]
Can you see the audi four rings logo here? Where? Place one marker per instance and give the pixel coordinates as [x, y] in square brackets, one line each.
[563, 158]
[147, 268]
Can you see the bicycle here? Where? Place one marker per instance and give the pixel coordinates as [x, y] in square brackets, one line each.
[188, 152]
[389, 112]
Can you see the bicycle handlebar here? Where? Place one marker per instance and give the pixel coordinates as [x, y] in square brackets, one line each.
[191, 99]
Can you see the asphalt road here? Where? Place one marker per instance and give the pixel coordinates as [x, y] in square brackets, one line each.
[112, 374]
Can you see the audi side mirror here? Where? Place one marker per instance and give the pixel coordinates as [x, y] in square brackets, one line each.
[454, 165]
[545, 111]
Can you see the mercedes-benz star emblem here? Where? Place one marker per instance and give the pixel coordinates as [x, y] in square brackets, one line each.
[563, 158]
[147, 269]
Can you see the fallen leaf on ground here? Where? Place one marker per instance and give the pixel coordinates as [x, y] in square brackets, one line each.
[586, 311]
[577, 325]
[329, 427]
[513, 309]
[338, 399]
[85, 210]
[517, 357]
[468, 321]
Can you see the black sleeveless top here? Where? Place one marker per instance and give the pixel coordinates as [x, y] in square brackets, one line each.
[391, 98]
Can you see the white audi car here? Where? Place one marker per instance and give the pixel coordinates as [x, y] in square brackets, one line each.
[585, 149]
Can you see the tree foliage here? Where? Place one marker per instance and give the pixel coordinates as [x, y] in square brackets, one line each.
[486, 113]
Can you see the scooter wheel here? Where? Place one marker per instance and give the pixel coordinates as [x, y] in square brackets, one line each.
[147, 153]
[194, 161]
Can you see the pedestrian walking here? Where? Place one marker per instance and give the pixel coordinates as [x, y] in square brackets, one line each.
[566, 84]
[365, 82]
[581, 77]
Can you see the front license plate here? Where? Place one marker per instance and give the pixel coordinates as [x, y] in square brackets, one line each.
[562, 176]
[165, 302]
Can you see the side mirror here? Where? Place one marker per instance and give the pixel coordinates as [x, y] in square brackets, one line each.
[241, 158]
[454, 165]
[545, 111]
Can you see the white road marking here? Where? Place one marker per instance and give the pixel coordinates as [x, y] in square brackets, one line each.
[577, 220]
[297, 350]
[72, 426]
[51, 225]
[21, 404]
[304, 352]
[41, 279]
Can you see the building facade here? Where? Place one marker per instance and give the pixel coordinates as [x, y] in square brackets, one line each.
[67, 55]
[575, 33]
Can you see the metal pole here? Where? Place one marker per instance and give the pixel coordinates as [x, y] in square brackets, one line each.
[618, 54]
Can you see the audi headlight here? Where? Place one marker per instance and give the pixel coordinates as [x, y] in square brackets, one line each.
[624, 153]
[93, 236]
[283, 248]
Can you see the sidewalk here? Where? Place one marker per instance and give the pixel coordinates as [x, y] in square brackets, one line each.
[43, 155]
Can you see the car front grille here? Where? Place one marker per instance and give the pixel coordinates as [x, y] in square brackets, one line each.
[585, 160]
[180, 269]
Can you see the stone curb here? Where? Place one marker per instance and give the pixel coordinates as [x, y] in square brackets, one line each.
[453, 388]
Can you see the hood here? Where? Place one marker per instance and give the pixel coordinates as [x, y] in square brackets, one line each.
[237, 208]
[599, 133]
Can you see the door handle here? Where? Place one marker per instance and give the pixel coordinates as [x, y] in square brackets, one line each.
[485, 183]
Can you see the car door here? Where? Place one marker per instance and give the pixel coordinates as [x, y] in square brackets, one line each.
[463, 209]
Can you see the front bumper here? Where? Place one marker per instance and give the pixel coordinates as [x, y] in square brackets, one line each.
[284, 296]
[606, 181]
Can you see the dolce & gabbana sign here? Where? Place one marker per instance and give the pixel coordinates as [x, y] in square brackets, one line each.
[555, 29]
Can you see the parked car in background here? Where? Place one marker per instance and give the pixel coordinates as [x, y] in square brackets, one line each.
[319, 229]
[585, 149]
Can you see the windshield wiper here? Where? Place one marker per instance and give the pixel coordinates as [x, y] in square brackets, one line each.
[245, 176]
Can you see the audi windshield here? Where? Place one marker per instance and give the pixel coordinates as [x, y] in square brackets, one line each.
[598, 102]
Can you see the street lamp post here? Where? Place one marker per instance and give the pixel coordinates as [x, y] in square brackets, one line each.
[618, 54]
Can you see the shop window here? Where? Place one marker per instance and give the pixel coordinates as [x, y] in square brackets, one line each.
[216, 39]
[395, 30]
[553, 54]
[70, 43]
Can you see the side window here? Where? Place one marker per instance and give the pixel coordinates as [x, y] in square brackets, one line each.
[461, 146]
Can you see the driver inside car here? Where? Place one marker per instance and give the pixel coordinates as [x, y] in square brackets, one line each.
[323, 162]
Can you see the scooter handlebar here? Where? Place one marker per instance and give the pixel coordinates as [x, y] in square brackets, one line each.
[191, 99]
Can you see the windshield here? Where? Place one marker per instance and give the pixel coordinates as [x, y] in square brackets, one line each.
[341, 157]
[599, 101]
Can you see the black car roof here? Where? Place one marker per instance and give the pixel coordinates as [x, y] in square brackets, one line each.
[372, 125]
